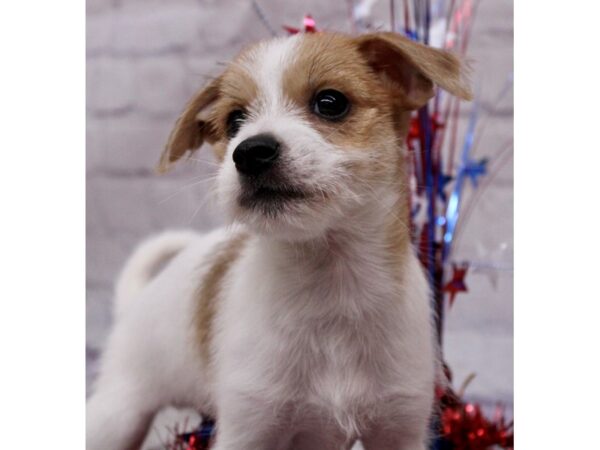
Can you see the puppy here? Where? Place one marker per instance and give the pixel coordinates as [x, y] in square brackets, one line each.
[305, 325]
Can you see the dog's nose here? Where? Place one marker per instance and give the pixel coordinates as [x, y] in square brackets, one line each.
[256, 154]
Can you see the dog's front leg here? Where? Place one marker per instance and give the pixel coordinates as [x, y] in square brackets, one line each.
[251, 423]
[118, 418]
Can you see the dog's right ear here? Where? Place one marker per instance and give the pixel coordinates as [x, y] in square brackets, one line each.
[192, 128]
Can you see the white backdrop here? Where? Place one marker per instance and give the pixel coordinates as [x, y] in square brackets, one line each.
[145, 58]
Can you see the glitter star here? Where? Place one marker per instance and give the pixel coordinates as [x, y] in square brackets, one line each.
[475, 169]
[457, 283]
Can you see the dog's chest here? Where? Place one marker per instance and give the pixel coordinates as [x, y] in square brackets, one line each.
[338, 339]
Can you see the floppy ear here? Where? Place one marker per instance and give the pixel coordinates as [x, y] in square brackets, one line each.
[413, 68]
[192, 128]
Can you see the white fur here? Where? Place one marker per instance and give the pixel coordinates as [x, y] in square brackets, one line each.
[143, 264]
[317, 341]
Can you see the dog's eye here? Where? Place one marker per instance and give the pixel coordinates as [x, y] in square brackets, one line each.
[331, 104]
[235, 119]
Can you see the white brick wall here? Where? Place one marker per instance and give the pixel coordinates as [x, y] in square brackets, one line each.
[146, 58]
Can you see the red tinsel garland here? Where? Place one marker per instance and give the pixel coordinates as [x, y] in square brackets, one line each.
[463, 425]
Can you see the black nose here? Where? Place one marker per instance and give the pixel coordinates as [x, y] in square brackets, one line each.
[256, 154]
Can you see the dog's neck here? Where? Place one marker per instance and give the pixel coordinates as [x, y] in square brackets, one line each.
[365, 252]
[361, 260]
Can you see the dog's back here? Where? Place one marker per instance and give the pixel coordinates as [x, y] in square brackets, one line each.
[151, 346]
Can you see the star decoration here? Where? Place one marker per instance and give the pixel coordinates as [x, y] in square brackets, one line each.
[475, 169]
[457, 283]
[308, 23]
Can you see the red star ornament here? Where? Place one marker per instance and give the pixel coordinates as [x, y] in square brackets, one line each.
[457, 283]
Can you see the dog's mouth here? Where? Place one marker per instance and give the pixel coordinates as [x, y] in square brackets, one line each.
[285, 193]
[271, 198]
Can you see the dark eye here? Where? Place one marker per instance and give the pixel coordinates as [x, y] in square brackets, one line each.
[331, 104]
[235, 119]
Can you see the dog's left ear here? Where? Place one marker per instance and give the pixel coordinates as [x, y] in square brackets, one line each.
[192, 128]
[413, 69]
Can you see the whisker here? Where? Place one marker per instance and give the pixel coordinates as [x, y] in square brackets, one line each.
[204, 161]
[207, 197]
[188, 186]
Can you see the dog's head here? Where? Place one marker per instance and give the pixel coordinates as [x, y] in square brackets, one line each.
[311, 127]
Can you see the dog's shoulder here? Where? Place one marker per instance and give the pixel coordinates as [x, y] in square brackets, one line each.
[216, 265]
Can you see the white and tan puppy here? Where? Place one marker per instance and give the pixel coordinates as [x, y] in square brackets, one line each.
[305, 325]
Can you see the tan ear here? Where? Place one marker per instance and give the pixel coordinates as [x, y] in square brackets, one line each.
[414, 68]
[192, 128]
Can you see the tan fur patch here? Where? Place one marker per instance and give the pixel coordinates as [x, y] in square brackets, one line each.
[237, 91]
[210, 289]
[190, 132]
[333, 61]
[205, 116]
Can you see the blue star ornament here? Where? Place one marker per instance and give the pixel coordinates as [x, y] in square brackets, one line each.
[475, 169]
